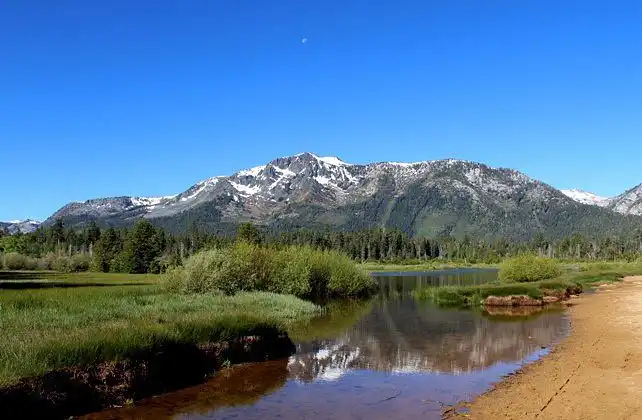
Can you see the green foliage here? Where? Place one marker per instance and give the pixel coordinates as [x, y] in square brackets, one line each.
[79, 262]
[59, 327]
[15, 261]
[106, 250]
[249, 233]
[300, 271]
[141, 248]
[573, 281]
[528, 268]
[474, 295]
[62, 264]
[145, 247]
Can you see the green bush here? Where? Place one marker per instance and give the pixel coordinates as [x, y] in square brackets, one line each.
[80, 262]
[15, 261]
[528, 268]
[62, 263]
[47, 262]
[299, 271]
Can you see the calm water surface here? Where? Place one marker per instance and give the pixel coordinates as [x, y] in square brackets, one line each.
[390, 357]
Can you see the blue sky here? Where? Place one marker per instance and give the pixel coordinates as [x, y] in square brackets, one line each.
[102, 98]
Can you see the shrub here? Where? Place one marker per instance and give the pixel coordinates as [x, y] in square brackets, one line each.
[62, 263]
[528, 268]
[299, 271]
[47, 262]
[79, 262]
[15, 261]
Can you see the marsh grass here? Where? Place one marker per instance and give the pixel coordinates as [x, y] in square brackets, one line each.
[415, 265]
[474, 295]
[583, 276]
[48, 329]
[528, 268]
[299, 271]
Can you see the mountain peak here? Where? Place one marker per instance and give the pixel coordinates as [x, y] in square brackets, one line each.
[630, 202]
[20, 226]
[330, 160]
[436, 197]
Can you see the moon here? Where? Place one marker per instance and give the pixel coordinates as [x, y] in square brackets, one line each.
[304, 40]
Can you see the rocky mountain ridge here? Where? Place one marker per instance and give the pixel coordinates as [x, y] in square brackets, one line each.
[428, 198]
[629, 202]
[20, 226]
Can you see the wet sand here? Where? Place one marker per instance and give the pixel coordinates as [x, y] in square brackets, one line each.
[594, 374]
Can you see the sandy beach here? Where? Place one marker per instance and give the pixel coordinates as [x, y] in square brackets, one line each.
[596, 373]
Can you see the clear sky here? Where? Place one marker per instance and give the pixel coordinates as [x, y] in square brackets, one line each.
[104, 98]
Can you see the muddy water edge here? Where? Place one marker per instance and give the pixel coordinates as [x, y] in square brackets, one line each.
[389, 357]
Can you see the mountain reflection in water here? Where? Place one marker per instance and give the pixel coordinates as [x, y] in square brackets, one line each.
[390, 357]
[406, 336]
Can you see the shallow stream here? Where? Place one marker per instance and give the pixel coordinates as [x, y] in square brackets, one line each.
[390, 357]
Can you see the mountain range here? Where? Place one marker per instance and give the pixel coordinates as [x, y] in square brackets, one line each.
[441, 197]
[20, 226]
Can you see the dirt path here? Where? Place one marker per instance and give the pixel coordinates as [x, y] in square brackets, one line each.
[594, 374]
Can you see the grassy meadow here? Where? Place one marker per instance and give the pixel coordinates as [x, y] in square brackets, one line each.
[55, 320]
[88, 318]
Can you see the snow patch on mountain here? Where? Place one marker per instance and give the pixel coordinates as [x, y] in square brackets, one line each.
[586, 197]
[630, 202]
[244, 189]
[284, 173]
[252, 171]
[332, 160]
[198, 188]
[150, 201]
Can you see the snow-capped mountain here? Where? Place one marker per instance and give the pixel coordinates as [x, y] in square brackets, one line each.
[630, 202]
[430, 197]
[586, 197]
[20, 226]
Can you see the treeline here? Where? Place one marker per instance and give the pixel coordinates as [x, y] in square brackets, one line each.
[394, 245]
[145, 248]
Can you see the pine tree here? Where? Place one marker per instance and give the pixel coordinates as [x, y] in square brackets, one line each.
[140, 249]
[106, 250]
[249, 233]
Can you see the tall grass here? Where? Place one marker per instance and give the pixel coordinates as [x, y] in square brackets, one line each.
[474, 295]
[573, 281]
[51, 261]
[528, 268]
[44, 330]
[299, 271]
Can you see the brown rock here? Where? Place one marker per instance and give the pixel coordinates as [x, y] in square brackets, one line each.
[560, 294]
[551, 299]
[574, 290]
[512, 300]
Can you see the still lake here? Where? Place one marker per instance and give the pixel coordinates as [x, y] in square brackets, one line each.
[389, 357]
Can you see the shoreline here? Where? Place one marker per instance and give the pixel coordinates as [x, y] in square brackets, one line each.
[596, 372]
[77, 391]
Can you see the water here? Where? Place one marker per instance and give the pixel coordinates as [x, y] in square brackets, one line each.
[390, 357]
